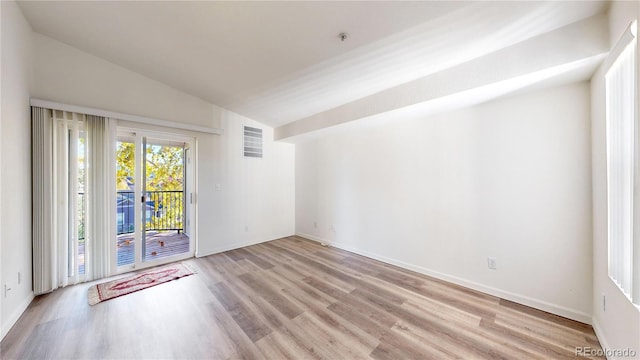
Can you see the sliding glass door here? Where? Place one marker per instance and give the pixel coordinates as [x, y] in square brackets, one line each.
[163, 210]
[126, 204]
[152, 211]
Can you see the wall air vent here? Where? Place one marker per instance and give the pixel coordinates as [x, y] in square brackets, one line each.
[252, 142]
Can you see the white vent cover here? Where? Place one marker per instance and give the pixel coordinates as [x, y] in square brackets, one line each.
[252, 142]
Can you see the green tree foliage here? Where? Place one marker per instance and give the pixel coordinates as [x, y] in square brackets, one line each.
[164, 172]
[125, 160]
[164, 167]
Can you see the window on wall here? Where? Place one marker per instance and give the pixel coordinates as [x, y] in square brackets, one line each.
[622, 156]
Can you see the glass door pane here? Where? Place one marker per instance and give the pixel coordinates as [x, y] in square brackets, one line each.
[125, 202]
[77, 201]
[163, 208]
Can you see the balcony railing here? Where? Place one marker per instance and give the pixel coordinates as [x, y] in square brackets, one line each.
[163, 211]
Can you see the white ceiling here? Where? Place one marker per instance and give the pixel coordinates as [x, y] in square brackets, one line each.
[278, 62]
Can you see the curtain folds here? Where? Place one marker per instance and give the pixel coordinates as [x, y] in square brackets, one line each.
[624, 255]
[73, 180]
[100, 180]
[68, 132]
[44, 254]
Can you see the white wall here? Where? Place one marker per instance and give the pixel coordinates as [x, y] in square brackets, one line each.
[619, 326]
[256, 197]
[508, 179]
[2, 331]
[256, 193]
[15, 229]
[70, 76]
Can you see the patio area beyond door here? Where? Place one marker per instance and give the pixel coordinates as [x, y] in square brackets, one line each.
[152, 201]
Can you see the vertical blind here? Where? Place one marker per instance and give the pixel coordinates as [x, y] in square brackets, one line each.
[68, 130]
[44, 279]
[621, 95]
[100, 204]
[72, 204]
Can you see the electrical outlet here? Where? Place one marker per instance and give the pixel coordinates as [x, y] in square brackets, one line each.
[19, 278]
[315, 225]
[491, 263]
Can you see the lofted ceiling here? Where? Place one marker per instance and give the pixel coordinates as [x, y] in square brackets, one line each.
[282, 62]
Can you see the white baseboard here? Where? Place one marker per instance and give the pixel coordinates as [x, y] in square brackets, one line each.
[312, 237]
[15, 315]
[237, 245]
[600, 333]
[507, 295]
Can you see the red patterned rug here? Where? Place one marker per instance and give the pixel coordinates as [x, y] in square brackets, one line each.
[115, 288]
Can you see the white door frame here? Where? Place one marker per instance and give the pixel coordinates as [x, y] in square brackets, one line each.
[137, 136]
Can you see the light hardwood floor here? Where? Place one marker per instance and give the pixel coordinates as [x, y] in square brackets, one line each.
[292, 299]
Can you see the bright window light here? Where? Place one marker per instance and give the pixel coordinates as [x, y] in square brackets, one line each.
[620, 80]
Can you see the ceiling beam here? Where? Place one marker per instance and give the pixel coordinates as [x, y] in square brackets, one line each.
[546, 55]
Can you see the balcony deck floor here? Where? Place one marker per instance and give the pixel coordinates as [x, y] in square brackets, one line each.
[159, 244]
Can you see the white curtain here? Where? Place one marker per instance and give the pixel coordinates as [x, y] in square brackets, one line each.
[44, 251]
[72, 183]
[621, 156]
[100, 185]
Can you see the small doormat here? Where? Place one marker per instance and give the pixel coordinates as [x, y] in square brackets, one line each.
[112, 289]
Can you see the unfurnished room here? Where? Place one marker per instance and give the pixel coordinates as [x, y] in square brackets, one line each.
[319, 180]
